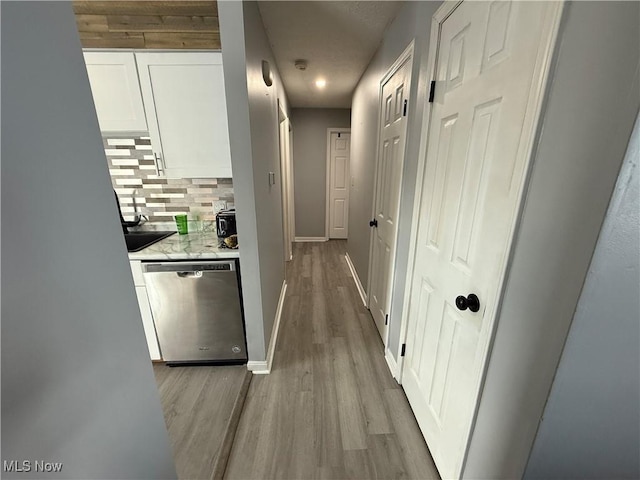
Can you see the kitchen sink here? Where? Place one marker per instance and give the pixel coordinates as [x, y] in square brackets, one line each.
[136, 241]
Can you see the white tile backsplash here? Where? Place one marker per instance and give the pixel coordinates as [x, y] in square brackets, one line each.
[133, 174]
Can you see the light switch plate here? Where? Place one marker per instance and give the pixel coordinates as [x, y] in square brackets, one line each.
[219, 205]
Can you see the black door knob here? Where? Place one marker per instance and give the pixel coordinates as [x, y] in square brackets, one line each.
[373, 223]
[472, 302]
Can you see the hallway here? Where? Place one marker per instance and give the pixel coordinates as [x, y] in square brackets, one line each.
[330, 407]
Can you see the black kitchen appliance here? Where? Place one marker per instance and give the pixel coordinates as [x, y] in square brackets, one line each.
[226, 223]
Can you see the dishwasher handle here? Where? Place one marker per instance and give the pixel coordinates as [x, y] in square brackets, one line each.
[196, 274]
[190, 269]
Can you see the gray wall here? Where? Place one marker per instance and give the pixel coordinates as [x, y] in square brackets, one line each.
[413, 21]
[581, 147]
[253, 133]
[77, 382]
[590, 424]
[310, 165]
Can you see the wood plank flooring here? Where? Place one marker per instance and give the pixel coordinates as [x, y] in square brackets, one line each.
[198, 403]
[330, 408]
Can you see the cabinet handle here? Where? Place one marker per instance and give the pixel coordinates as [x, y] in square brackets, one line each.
[157, 160]
[155, 164]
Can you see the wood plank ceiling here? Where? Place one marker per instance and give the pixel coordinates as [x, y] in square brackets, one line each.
[148, 24]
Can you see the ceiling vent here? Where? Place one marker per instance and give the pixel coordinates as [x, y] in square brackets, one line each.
[300, 64]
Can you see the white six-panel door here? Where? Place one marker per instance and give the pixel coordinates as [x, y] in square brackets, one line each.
[392, 135]
[339, 156]
[488, 58]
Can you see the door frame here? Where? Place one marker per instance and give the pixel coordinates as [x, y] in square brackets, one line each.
[291, 185]
[328, 175]
[536, 108]
[407, 55]
[286, 176]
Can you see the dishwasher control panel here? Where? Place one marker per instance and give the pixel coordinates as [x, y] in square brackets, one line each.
[211, 266]
[216, 266]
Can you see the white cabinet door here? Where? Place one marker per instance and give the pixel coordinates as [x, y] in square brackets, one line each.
[186, 112]
[147, 323]
[145, 310]
[116, 91]
[136, 270]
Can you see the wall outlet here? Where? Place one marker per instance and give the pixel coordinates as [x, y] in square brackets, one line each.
[219, 205]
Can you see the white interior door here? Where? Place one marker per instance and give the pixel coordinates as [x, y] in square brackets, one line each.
[339, 175]
[392, 135]
[482, 120]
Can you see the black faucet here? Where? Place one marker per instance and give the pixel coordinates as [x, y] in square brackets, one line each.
[124, 223]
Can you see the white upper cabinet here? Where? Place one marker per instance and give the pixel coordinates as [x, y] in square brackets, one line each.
[116, 91]
[186, 112]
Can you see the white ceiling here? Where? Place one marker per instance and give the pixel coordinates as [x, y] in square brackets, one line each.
[337, 38]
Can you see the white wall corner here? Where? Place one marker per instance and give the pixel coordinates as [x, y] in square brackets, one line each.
[356, 279]
[311, 239]
[264, 367]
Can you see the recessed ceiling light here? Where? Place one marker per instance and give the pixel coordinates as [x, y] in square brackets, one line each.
[321, 83]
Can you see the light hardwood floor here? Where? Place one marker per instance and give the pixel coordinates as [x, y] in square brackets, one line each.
[329, 408]
[198, 405]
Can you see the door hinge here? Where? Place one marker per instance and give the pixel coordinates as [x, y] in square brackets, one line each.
[404, 111]
[339, 134]
[432, 91]
[386, 319]
[373, 223]
[404, 348]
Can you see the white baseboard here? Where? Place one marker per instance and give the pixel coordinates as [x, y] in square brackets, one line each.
[311, 239]
[258, 368]
[264, 367]
[356, 279]
[392, 364]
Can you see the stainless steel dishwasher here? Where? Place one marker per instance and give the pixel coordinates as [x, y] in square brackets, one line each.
[197, 311]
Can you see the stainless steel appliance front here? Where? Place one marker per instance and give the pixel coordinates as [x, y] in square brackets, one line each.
[197, 311]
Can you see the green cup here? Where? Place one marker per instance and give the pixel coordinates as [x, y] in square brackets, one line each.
[181, 223]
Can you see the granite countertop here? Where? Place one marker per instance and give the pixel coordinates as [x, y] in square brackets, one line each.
[192, 246]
